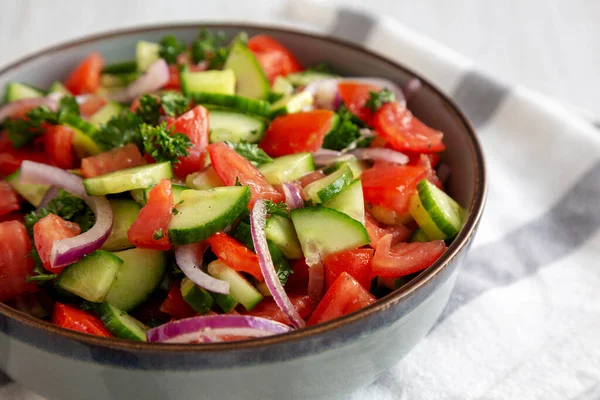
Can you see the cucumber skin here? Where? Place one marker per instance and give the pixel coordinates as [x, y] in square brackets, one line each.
[198, 298]
[332, 189]
[427, 194]
[96, 186]
[226, 301]
[234, 102]
[108, 316]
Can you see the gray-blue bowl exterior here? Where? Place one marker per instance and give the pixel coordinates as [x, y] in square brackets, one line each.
[325, 361]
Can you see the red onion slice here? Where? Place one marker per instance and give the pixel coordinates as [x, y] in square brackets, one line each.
[380, 154]
[155, 77]
[189, 259]
[293, 195]
[326, 156]
[411, 87]
[69, 250]
[212, 328]
[24, 105]
[258, 221]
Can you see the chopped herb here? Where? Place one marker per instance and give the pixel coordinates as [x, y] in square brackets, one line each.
[41, 278]
[347, 132]
[158, 234]
[237, 182]
[378, 99]
[68, 105]
[273, 97]
[280, 209]
[218, 58]
[322, 68]
[207, 45]
[175, 211]
[170, 48]
[120, 130]
[251, 152]
[174, 104]
[162, 144]
[149, 109]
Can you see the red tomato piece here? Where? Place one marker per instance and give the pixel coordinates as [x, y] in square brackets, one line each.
[269, 309]
[9, 201]
[405, 132]
[355, 96]
[15, 263]
[13, 216]
[74, 319]
[377, 230]
[298, 281]
[175, 305]
[149, 230]
[417, 159]
[193, 124]
[58, 143]
[344, 296]
[91, 104]
[296, 133]
[11, 158]
[47, 231]
[404, 258]
[86, 77]
[355, 262]
[274, 58]
[235, 254]
[232, 167]
[128, 156]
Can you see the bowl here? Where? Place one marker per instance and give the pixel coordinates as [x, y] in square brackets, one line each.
[323, 361]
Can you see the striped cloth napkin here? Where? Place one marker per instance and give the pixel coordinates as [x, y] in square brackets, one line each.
[524, 319]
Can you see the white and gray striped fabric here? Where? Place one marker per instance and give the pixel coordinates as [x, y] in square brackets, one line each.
[524, 319]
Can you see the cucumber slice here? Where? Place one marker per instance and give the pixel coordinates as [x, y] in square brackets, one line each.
[124, 180]
[141, 195]
[19, 91]
[242, 104]
[323, 231]
[207, 179]
[58, 87]
[281, 232]
[287, 168]
[140, 274]
[198, 298]
[234, 127]
[91, 277]
[419, 235]
[117, 80]
[124, 213]
[282, 86]
[207, 82]
[239, 287]
[356, 166]
[292, 104]
[226, 301]
[201, 213]
[103, 115]
[84, 135]
[326, 188]
[306, 77]
[350, 201]
[31, 192]
[123, 67]
[436, 213]
[251, 79]
[146, 53]
[121, 324]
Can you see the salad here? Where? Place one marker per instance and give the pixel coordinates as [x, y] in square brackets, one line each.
[214, 191]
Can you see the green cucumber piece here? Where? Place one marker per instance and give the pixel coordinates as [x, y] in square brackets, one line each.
[239, 287]
[201, 213]
[234, 127]
[198, 298]
[91, 277]
[31, 192]
[292, 104]
[326, 188]
[121, 324]
[140, 274]
[124, 180]
[58, 87]
[282, 86]
[141, 195]
[84, 135]
[306, 77]
[242, 104]
[124, 214]
[226, 301]
[146, 53]
[117, 80]
[287, 168]
[419, 235]
[19, 91]
[251, 79]
[356, 166]
[212, 81]
[436, 213]
[350, 201]
[122, 67]
[323, 231]
[207, 179]
[103, 115]
[281, 232]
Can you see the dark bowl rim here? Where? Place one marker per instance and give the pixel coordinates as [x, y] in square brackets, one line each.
[459, 244]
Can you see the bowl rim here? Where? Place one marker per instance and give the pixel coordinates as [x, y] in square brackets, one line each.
[459, 244]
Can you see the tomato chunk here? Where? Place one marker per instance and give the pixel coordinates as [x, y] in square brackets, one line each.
[404, 258]
[274, 58]
[232, 167]
[128, 156]
[74, 319]
[11, 158]
[235, 254]
[298, 132]
[91, 104]
[149, 230]
[356, 262]
[344, 296]
[377, 230]
[355, 96]
[193, 124]
[15, 263]
[175, 305]
[298, 281]
[86, 77]
[405, 132]
[47, 231]
[9, 201]
[58, 143]
[267, 308]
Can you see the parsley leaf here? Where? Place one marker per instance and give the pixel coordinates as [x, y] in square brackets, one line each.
[170, 48]
[149, 109]
[41, 278]
[281, 209]
[68, 105]
[206, 44]
[322, 68]
[158, 234]
[378, 99]
[174, 104]
[162, 144]
[119, 131]
[347, 132]
[251, 152]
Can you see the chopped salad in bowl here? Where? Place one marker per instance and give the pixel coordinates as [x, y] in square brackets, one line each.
[214, 191]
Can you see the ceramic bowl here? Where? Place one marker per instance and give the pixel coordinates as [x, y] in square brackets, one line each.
[324, 361]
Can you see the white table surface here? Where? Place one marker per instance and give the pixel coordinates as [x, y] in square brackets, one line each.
[551, 46]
